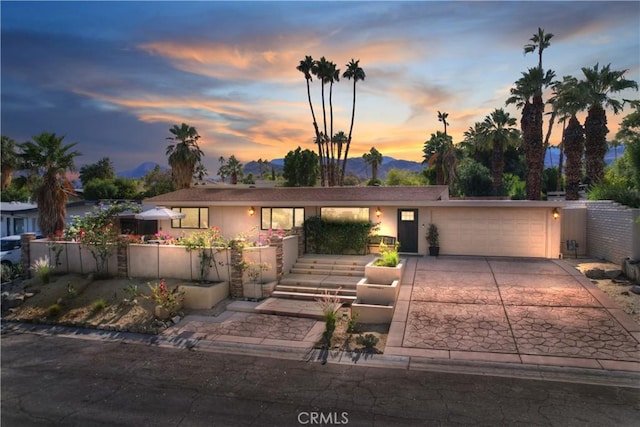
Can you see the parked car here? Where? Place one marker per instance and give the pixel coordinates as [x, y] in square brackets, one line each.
[11, 252]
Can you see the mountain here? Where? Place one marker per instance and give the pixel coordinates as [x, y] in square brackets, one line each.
[554, 152]
[139, 171]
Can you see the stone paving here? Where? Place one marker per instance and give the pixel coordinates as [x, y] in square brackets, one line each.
[526, 307]
[464, 309]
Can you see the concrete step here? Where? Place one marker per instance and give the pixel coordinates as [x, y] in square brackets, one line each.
[316, 289]
[310, 296]
[327, 272]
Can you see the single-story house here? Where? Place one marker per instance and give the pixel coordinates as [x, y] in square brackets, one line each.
[466, 227]
[22, 217]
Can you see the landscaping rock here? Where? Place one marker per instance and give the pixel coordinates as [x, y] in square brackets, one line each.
[635, 289]
[602, 274]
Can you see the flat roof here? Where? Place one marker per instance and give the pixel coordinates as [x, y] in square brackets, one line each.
[303, 196]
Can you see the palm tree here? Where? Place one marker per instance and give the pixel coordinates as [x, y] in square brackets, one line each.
[437, 153]
[597, 85]
[183, 154]
[499, 131]
[527, 95]
[199, 173]
[9, 160]
[442, 117]
[340, 140]
[540, 41]
[333, 76]
[373, 158]
[234, 169]
[473, 142]
[46, 156]
[307, 67]
[356, 73]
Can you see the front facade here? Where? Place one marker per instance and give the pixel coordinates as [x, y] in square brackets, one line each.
[466, 227]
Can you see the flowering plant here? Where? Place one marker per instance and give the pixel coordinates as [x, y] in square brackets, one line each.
[164, 238]
[162, 295]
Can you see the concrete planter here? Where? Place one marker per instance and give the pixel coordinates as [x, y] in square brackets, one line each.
[383, 275]
[258, 290]
[372, 293]
[372, 313]
[204, 296]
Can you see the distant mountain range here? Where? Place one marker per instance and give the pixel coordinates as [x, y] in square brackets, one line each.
[356, 165]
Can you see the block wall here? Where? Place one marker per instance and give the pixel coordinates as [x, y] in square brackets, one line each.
[612, 231]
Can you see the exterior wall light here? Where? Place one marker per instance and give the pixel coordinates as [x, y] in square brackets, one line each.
[555, 213]
[252, 211]
[378, 212]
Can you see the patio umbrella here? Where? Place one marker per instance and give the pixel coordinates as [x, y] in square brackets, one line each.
[159, 214]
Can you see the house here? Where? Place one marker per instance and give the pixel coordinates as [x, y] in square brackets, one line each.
[467, 227]
[22, 217]
[18, 218]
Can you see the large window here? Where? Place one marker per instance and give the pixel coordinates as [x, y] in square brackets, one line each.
[195, 218]
[282, 218]
[345, 214]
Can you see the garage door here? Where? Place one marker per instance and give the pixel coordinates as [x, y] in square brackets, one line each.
[492, 231]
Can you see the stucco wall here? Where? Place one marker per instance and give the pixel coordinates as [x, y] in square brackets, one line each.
[612, 231]
[574, 227]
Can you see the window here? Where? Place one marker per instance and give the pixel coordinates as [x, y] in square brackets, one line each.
[346, 214]
[282, 218]
[407, 216]
[195, 218]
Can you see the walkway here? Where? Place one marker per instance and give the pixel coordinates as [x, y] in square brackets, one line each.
[463, 311]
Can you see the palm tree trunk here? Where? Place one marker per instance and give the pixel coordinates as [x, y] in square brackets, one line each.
[573, 146]
[595, 130]
[315, 128]
[533, 146]
[497, 167]
[560, 160]
[346, 151]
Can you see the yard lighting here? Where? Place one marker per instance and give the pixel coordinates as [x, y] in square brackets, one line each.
[252, 211]
[555, 213]
[378, 212]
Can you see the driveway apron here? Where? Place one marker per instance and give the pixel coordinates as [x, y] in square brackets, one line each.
[531, 311]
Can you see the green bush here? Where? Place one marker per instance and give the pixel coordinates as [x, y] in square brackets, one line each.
[616, 189]
[98, 305]
[337, 236]
[473, 179]
[388, 256]
[514, 187]
[53, 310]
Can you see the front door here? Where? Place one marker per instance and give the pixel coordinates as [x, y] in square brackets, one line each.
[408, 230]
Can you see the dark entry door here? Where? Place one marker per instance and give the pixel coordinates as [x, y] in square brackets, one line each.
[408, 230]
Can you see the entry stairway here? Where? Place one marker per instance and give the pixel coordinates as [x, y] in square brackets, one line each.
[315, 276]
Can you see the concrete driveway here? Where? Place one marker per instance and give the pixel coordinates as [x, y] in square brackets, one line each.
[525, 311]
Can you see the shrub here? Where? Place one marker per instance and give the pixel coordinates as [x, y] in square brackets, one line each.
[42, 269]
[388, 255]
[514, 187]
[368, 341]
[98, 305]
[337, 236]
[473, 178]
[169, 299]
[53, 310]
[329, 304]
[615, 189]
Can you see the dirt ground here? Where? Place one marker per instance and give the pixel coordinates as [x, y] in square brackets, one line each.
[346, 340]
[619, 290]
[79, 298]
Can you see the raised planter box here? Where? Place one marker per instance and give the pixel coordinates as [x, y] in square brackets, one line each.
[383, 275]
[258, 290]
[372, 313]
[372, 293]
[204, 296]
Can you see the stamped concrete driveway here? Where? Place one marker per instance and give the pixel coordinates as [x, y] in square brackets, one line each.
[529, 311]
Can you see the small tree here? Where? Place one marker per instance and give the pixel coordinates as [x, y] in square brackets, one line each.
[98, 231]
[301, 168]
[208, 243]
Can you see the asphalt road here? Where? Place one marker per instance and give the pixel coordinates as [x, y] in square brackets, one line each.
[56, 381]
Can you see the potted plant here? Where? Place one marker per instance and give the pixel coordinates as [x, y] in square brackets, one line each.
[386, 268]
[433, 239]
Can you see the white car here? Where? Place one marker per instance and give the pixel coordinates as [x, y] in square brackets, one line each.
[11, 253]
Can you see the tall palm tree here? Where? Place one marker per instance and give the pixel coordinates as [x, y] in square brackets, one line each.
[437, 153]
[373, 158]
[199, 173]
[598, 83]
[183, 154]
[234, 169]
[442, 117]
[9, 159]
[473, 142]
[569, 99]
[355, 73]
[333, 76]
[539, 42]
[322, 70]
[499, 132]
[46, 156]
[527, 95]
[307, 67]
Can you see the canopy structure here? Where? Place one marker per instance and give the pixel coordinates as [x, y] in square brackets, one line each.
[159, 213]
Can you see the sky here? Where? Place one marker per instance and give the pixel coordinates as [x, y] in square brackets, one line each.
[114, 77]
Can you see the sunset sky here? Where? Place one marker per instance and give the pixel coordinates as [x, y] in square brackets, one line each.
[114, 77]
